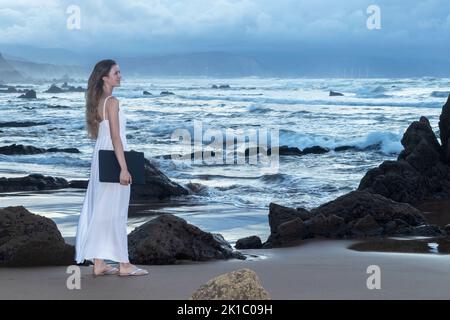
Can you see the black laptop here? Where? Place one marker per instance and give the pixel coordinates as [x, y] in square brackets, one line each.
[109, 168]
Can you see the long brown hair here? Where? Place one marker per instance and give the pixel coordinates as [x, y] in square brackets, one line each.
[93, 94]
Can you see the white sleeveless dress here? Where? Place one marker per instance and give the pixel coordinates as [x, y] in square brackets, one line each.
[102, 226]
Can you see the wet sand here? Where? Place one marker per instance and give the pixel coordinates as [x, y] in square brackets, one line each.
[320, 269]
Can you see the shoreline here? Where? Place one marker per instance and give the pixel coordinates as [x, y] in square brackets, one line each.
[318, 269]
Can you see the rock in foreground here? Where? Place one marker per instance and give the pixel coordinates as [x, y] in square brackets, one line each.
[242, 284]
[28, 239]
[168, 239]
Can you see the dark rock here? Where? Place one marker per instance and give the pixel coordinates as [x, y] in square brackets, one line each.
[22, 124]
[164, 93]
[79, 184]
[27, 239]
[157, 185]
[294, 151]
[367, 226]
[167, 239]
[285, 151]
[316, 150]
[288, 151]
[29, 94]
[32, 182]
[252, 242]
[334, 94]
[357, 204]
[279, 214]
[330, 226]
[222, 86]
[54, 89]
[65, 88]
[287, 233]
[9, 89]
[356, 214]
[21, 149]
[146, 93]
[419, 172]
[67, 150]
[444, 130]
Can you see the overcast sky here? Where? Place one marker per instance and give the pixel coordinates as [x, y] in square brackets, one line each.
[409, 29]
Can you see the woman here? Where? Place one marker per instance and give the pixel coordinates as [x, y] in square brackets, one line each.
[102, 227]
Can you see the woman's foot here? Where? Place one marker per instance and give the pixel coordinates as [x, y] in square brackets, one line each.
[127, 269]
[101, 268]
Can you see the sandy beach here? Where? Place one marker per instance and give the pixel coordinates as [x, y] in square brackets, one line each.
[318, 269]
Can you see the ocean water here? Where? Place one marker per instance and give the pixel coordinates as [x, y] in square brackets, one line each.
[372, 116]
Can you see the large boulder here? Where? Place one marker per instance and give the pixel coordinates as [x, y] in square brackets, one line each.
[420, 172]
[241, 284]
[358, 214]
[28, 239]
[252, 242]
[167, 239]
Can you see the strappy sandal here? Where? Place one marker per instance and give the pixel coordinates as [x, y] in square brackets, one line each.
[109, 272]
[135, 272]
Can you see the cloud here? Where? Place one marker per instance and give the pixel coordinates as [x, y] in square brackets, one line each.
[138, 25]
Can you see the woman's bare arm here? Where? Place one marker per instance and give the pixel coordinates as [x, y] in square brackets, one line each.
[112, 109]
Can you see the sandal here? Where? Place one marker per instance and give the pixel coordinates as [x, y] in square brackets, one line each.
[135, 272]
[109, 271]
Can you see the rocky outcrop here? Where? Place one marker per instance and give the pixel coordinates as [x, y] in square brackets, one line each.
[28, 239]
[32, 182]
[221, 86]
[358, 214]
[29, 94]
[166, 93]
[146, 93]
[15, 149]
[65, 88]
[167, 239]
[420, 172]
[241, 284]
[335, 94]
[22, 123]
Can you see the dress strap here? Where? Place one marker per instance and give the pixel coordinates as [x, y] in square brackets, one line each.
[104, 105]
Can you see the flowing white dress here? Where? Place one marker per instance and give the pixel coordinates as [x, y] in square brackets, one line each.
[102, 226]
